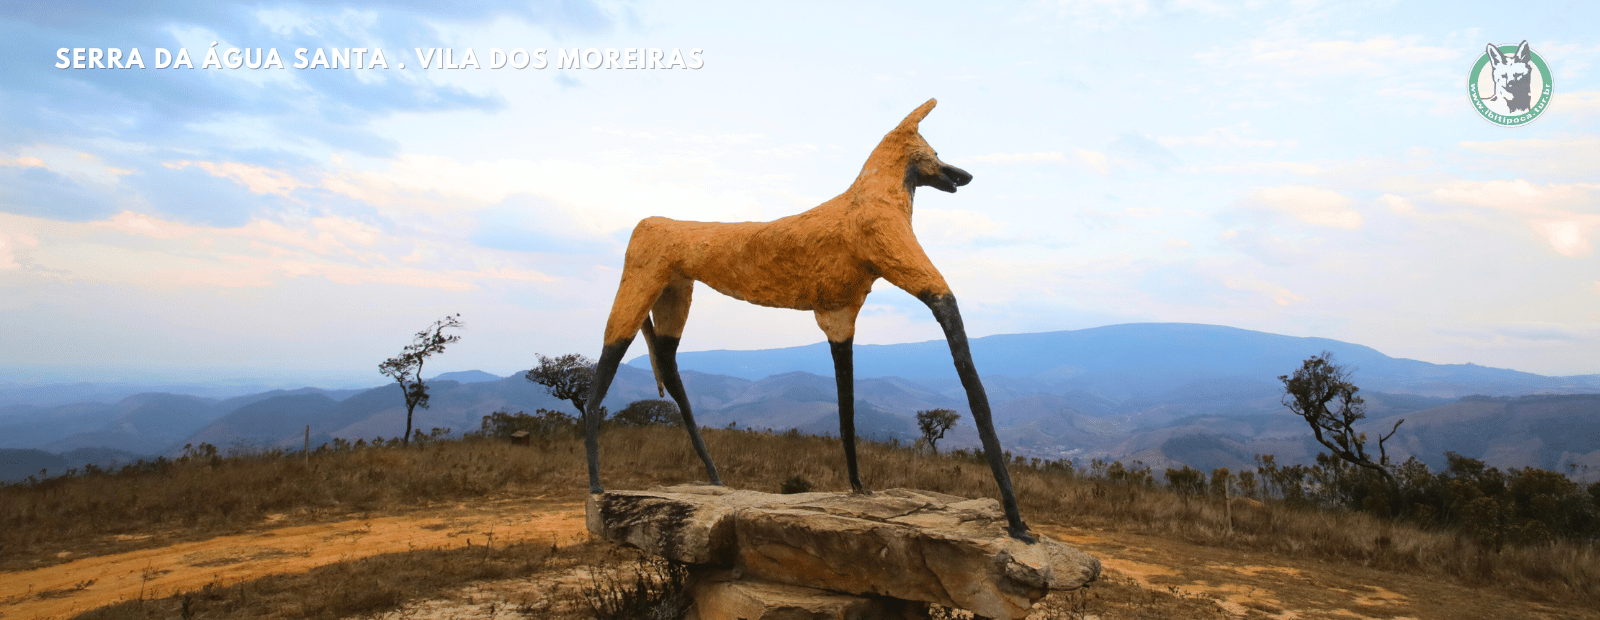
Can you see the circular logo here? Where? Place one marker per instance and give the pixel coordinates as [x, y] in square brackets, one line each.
[1510, 85]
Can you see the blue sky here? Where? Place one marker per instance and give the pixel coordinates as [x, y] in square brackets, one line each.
[1304, 168]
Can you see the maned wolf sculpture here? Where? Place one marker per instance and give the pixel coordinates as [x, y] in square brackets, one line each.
[823, 260]
[1511, 78]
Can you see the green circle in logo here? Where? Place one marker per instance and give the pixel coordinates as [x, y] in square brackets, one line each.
[1513, 98]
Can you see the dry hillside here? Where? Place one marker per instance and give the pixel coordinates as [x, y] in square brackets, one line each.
[479, 529]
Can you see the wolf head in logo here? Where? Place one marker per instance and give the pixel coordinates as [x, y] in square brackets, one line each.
[1512, 77]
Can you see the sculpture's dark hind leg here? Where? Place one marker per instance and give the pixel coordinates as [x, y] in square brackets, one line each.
[667, 363]
[605, 370]
[844, 378]
[949, 317]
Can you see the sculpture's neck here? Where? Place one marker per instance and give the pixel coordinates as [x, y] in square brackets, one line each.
[883, 177]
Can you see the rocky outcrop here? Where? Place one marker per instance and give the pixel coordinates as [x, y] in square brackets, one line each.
[895, 545]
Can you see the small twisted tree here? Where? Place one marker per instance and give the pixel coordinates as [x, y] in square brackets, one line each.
[1321, 392]
[406, 368]
[934, 423]
[568, 377]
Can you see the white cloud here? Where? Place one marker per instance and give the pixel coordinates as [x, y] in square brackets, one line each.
[1313, 205]
[1303, 58]
[8, 255]
[1562, 216]
[23, 162]
[602, 195]
[1094, 160]
[954, 226]
[1566, 237]
[1022, 158]
[1107, 14]
[1524, 331]
[1278, 294]
[1233, 136]
[1582, 103]
[140, 224]
[1573, 156]
[153, 253]
[1514, 195]
[1269, 167]
[81, 166]
[1397, 205]
[1271, 249]
[258, 179]
[1443, 103]
[1100, 14]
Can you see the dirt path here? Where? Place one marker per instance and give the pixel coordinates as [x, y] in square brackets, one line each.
[1250, 584]
[65, 589]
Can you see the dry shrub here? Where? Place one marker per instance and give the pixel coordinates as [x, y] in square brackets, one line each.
[650, 589]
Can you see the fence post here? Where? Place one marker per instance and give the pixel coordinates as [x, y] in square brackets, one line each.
[308, 444]
[1227, 504]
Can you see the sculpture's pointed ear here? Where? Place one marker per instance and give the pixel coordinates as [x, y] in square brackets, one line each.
[916, 115]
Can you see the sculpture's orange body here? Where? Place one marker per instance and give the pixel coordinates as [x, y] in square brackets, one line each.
[824, 260]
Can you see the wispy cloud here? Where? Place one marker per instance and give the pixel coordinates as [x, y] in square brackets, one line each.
[1313, 205]
[145, 251]
[1568, 157]
[1278, 294]
[1304, 58]
[1231, 136]
[1561, 216]
[1094, 160]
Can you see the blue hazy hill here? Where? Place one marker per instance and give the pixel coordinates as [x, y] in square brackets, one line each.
[1138, 361]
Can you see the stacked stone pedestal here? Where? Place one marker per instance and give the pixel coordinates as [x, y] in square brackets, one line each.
[840, 556]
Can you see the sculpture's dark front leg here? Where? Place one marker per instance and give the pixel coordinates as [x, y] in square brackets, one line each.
[667, 361]
[949, 317]
[605, 370]
[844, 378]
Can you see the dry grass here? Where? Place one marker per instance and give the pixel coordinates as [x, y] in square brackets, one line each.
[202, 498]
[238, 494]
[1562, 572]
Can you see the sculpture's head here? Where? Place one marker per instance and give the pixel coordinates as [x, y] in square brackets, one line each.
[904, 146]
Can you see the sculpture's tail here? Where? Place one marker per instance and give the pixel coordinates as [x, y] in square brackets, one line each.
[650, 343]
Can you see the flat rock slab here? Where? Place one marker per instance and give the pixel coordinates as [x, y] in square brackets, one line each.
[899, 543]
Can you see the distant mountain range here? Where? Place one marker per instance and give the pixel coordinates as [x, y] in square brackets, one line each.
[1166, 394]
[1139, 362]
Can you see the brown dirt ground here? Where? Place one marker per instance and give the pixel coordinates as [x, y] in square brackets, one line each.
[1145, 576]
[65, 589]
[1252, 584]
